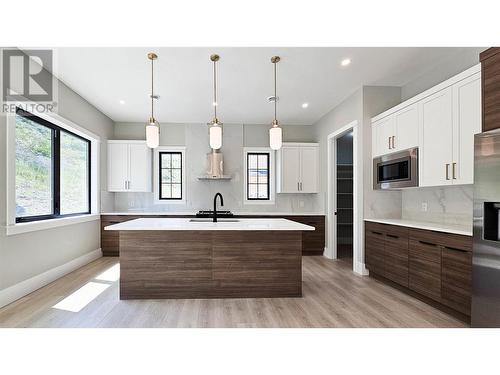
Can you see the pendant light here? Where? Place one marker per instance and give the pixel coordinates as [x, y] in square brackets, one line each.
[275, 133]
[152, 126]
[215, 127]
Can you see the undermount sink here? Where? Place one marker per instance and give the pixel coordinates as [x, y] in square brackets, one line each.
[209, 220]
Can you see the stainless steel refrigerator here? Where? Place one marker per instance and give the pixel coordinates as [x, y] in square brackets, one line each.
[486, 250]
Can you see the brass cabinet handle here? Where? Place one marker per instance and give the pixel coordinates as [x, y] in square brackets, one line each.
[453, 171]
[393, 142]
[447, 172]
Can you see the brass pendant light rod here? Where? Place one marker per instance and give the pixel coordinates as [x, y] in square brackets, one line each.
[275, 60]
[152, 56]
[215, 58]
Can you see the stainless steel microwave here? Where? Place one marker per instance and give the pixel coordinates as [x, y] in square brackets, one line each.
[396, 171]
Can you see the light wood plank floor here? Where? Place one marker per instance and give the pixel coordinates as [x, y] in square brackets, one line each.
[332, 297]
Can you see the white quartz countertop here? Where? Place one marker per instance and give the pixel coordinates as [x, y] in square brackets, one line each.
[446, 228]
[222, 224]
[166, 213]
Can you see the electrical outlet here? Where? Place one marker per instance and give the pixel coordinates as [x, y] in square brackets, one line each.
[424, 206]
[131, 203]
[301, 204]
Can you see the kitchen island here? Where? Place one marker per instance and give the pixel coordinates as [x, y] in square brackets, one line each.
[196, 258]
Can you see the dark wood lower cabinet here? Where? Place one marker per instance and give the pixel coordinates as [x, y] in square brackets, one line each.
[374, 248]
[313, 242]
[456, 279]
[386, 249]
[435, 265]
[425, 269]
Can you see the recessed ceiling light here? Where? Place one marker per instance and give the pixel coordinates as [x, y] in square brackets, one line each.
[345, 62]
[122, 101]
[305, 105]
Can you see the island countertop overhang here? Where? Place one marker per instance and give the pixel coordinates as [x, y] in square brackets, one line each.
[177, 224]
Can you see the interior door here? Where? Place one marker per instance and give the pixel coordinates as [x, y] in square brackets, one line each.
[385, 130]
[309, 170]
[117, 166]
[437, 131]
[406, 128]
[290, 169]
[140, 165]
[466, 123]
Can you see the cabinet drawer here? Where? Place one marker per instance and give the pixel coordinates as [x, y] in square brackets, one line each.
[444, 239]
[426, 251]
[456, 279]
[375, 227]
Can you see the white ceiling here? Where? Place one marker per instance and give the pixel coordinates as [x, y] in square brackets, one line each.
[183, 79]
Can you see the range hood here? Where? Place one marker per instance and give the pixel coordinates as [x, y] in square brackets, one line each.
[215, 167]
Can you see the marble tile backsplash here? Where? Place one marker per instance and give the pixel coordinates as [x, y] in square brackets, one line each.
[443, 205]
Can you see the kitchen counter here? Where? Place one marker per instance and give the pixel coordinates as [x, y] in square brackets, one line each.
[193, 213]
[446, 228]
[166, 224]
[179, 258]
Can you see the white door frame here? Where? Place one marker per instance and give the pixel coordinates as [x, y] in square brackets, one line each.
[331, 229]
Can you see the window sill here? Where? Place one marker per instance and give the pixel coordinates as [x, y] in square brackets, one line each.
[20, 228]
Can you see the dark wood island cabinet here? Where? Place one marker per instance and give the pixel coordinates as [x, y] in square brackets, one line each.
[313, 243]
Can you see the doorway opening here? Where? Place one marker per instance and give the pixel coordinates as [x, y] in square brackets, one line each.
[344, 196]
[344, 227]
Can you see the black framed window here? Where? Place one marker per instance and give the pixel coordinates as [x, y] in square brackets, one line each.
[52, 170]
[170, 175]
[258, 180]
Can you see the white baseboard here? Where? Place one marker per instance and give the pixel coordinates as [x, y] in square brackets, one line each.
[28, 286]
[360, 269]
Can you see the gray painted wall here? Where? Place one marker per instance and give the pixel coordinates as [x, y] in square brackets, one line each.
[26, 255]
[360, 106]
[441, 71]
[200, 193]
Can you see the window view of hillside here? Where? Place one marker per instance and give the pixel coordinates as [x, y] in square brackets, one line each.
[35, 161]
[74, 174]
[33, 168]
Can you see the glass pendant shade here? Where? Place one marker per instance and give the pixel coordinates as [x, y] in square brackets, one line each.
[275, 138]
[215, 136]
[153, 134]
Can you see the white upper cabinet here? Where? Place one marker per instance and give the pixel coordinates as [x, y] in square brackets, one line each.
[441, 122]
[466, 123]
[383, 133]
[289, 169]
[406, 134]
[129, 166]
[396, 132]
[437, 131]
[117, 166]
[297, 166]
[309, 170]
